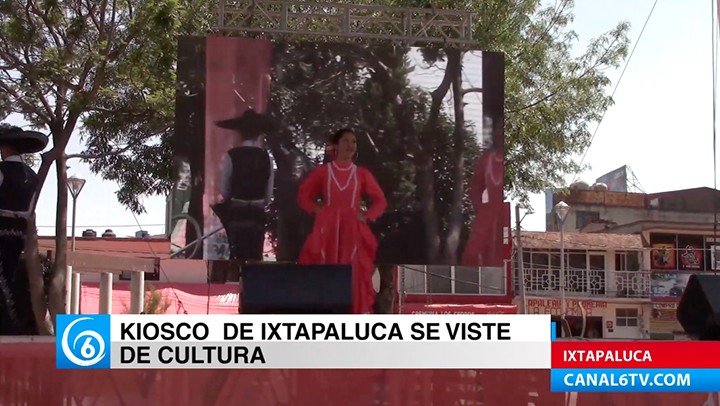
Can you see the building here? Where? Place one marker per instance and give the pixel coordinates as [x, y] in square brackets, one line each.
[596, 210]
[605, 280]
[179, 286]
[676, 229]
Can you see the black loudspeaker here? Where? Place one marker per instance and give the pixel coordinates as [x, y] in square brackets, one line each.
[296, 289]
[699, 308]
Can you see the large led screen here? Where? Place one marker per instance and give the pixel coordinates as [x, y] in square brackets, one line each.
[254, 118]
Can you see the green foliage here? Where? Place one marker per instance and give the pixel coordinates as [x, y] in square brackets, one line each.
[551, 96]
[120, 79]
[128, 132]
[63, 61]
[154, 303]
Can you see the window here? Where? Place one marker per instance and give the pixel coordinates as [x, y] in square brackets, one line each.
[626, 317]
[584, 272]
[466, 280]
[627, 261]
[533, 259]
[460, 280]
[439, 278]
[583, 218]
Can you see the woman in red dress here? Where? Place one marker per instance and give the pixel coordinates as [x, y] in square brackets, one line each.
[484, 248]
[341, 234]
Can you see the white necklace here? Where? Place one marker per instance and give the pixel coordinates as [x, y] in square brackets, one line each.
[349, 179]
[341, 168]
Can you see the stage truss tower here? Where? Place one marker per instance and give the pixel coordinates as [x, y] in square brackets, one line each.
[278, 18]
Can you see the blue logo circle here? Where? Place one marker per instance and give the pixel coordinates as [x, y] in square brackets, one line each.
[86, 349]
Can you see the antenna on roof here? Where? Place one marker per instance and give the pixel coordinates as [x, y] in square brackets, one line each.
[633, 184]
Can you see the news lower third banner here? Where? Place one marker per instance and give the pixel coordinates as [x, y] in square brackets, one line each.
[304, 341]
[637, 366]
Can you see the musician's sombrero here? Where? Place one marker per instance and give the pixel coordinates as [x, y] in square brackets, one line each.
[250, 123]
[23, 141]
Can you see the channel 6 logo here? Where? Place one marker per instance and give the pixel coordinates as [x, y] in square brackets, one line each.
[82, 341]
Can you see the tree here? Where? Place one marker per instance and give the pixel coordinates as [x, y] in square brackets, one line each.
[133, 120]
[109, 66]
[551, 96]
[58, 57]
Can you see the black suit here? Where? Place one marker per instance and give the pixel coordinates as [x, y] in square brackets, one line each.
[18, 185]
[247, 192]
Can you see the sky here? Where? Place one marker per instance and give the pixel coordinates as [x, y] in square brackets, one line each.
[660, 125]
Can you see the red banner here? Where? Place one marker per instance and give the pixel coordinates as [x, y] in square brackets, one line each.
[635, 354]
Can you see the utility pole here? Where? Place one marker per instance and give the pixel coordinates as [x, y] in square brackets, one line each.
[520, 258]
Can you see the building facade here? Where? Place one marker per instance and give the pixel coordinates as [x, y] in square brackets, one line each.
[606, 283]
[676, 230]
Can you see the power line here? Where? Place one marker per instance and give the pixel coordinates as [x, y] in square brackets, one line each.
[616, 88]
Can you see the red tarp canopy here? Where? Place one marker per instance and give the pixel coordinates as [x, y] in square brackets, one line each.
[182, 298]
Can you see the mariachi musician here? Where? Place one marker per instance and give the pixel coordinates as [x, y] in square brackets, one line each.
[246, 186]
[18, 192]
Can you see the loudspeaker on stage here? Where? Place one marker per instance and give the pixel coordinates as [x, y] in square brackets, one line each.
[277, 288]
[699, 308]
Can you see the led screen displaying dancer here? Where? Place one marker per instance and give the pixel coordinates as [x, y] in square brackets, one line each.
[341, 234]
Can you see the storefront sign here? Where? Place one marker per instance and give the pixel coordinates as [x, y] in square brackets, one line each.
[662, 256]
[691, 257]
[714, 247]
[665, 316]
[669, 284]
[421, 308]
[664, 311]
[554, 306]
[665, 305]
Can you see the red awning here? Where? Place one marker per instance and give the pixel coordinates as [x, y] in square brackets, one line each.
[192, 298]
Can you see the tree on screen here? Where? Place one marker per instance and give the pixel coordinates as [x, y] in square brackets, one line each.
[60, 62]
[551, 98]
[406, 138]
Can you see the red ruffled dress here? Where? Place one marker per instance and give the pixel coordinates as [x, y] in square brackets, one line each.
[485, 246]
[338, 236]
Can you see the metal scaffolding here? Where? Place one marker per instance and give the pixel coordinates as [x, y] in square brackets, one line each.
[349, 21]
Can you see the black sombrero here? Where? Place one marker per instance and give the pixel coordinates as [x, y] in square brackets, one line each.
[251, 123]
[23, 141]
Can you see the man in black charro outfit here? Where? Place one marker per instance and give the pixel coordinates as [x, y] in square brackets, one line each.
[18, 192]
[246, 187]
